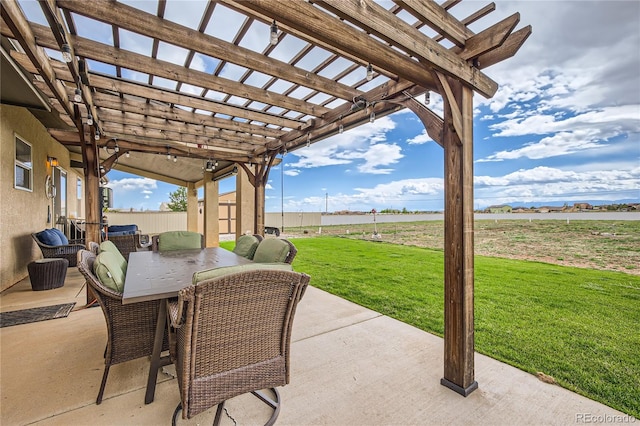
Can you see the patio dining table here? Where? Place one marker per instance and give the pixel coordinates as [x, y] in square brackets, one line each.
[159, 276]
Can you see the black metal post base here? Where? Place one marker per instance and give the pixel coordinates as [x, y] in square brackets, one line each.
[458, 389]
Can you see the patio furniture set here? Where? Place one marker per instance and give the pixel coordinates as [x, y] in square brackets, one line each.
[224, 317]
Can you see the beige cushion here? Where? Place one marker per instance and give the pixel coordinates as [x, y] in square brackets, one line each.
[271, 250]
[111, 248]
[109, 271]
[218, 272]
[246, 246]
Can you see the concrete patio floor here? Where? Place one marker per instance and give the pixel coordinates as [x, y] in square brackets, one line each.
[350, 366]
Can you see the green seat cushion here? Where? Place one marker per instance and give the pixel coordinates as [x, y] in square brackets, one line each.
[109, 272]
[179, 240]
[218, 272]
[111, 248]
[271, 250]
[246, 246]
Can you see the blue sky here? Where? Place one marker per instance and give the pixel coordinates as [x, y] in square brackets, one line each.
[563, 127]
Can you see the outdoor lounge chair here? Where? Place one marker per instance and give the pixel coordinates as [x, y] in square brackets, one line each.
[130, 328]
[231, 335]
[59, 249]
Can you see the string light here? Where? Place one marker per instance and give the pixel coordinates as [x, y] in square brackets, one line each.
[427, 98]
[273, 39]
[127, 154]
[66, 52]
[308, 140]
[372, 117]
[89, 120]
[97, 136]
[175, 158]
[369, 72]
[340, 127]
[77, 97]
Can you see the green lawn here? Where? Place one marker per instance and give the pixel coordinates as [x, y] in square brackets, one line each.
[580, 326]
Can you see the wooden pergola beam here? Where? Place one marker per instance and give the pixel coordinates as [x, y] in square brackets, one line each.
[132, 19]
[134, 61]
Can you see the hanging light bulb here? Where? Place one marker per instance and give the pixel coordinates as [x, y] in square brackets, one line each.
[273, 39]
[89, 120]
[308, 140]
[175, 158]
[427, 98]
[127, 154]
[66, 52]
[117, 148]
[77, 97]
[372, 117]
[369, 72]
[97, 136]
[340, 127]
[168, 156]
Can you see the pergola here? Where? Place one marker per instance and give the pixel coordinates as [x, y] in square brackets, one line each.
[319, 67]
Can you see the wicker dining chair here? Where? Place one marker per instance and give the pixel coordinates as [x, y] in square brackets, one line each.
[246, 245]
[126, 243]
[231, 335]
[94, 247]
[275, 250]
[176, 240]
[130, 328]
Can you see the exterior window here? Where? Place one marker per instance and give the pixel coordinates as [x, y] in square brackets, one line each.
[23, 166]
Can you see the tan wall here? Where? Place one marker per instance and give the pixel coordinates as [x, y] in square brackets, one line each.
[24, 212]
[150, 222]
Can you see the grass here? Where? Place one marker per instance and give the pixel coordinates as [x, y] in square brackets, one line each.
[580, 326]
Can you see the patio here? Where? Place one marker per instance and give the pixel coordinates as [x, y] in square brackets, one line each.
[350, 365]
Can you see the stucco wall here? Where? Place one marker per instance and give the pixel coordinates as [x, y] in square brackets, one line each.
[23, 212]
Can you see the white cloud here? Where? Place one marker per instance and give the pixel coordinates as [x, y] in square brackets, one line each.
[420, 139]
[292, 172]
[354, 144]
[586, 131]
[541, 184]
[144, 185]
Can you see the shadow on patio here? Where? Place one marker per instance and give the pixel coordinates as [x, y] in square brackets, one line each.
[350, 366]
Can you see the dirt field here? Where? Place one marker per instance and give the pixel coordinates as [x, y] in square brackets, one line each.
[606, 245]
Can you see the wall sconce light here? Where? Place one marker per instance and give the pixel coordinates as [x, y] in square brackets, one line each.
[210, 166]
[369, 72]
[52, 161]
[273, 38]
[230, 173]
[66, 52]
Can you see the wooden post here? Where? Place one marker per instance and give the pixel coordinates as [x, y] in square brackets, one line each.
[192, 207]
[458, 251]
[211, 212]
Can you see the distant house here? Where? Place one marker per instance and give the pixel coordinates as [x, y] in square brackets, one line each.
[550, 209]
[582, 206]
[503, 208]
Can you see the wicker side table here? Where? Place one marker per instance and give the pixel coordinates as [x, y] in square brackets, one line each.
[46, 274]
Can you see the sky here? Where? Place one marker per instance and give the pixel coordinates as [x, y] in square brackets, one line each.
[563, 127]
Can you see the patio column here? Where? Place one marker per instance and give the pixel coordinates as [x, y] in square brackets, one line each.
[211, 213]
[458, 237]
[245, 202]
[192, 207]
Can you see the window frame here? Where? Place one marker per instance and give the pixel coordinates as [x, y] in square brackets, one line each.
[20, 164]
